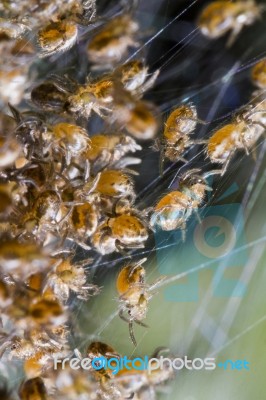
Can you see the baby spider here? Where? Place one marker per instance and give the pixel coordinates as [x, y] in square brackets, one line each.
[113, 189]
[57, 37]
[45, 312]
[110, 186]
[178, 127]
[174, 209]
[68, 139]
[40, 362]
[110, 149]
[80, 222]
[140, 120]
[10, 149]
[127, 230]
[32, 343]
[13, 81]
[134, 294]
[253, 118]
[12, 27]
[115, 184]
[48, 97]
[94, 96]
[66, 277]
[62, 32]
[101, 371]
[194, 185]
[135, 77]
[21, 258]
[41, 218]
[37, 323]
[258, 74]
[241, 134]
[220, 17]
[112, 41]
[29, 131]
[98, 350]
[33, 389]
[138, 117]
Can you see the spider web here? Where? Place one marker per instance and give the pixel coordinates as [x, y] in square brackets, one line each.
[206, 330]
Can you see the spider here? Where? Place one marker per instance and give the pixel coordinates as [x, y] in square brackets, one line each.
[33, 388]
[220, 17]
[128, 229]
[178, 128]
[174, 209]
[242, 132]
[66, 277]
[110, 150]
[112, 41]
[134, 294]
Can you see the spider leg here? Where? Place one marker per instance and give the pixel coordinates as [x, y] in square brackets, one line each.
[149, 83]
[197, 215]
[161, 162]
[83, 245]
[183, 231]
[225, 166]
[156, 144]
[4, 347]
[131, 333]
[233, 35]
[141, 323]
[87, 172]
[138, 285]
[200, 121]
[121, 315]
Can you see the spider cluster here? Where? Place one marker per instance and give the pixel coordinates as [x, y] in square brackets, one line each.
[62, 188]
[54, 23]
[66, 188]
[115, 97]
[242, 132]
[36, 28]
